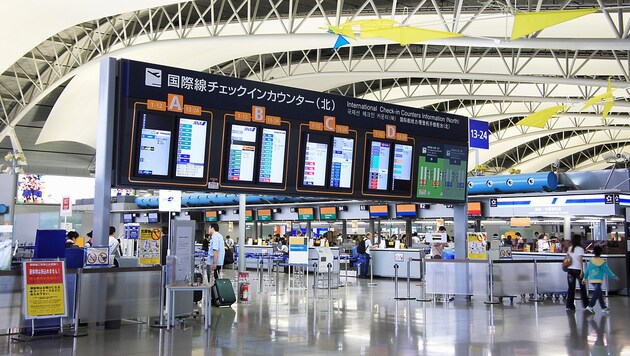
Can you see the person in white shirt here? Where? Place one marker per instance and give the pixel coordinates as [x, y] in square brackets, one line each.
[114, 246]
[229, 242]
[575, 273]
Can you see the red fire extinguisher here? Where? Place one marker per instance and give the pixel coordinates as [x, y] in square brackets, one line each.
[244, 292]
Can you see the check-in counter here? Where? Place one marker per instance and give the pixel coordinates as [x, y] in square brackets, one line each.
[383, 261]
[251, 263]
[617, 264]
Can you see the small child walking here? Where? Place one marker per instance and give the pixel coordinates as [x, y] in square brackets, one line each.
[595, 271]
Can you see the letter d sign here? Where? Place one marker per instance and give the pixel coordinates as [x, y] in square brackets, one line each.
[390, 131]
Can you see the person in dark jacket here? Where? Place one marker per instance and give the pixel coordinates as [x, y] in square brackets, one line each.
[71, 241]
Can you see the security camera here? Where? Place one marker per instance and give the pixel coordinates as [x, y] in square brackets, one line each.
[618, 156]
[555, 163]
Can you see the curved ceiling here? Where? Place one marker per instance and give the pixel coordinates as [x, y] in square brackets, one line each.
[49, 80]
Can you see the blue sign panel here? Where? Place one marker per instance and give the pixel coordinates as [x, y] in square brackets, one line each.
[479, 134]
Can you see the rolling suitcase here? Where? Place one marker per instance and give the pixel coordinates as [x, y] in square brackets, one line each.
[222, 293]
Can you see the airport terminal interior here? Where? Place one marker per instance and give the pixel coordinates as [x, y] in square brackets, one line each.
[361, 177]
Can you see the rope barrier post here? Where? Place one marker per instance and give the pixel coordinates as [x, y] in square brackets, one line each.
[277, 277]
[409, 278]
[315, 278]
[491, 296]
[329, 266]
[347, 263]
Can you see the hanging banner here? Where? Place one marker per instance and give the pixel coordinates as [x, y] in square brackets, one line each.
[149, 251]
[44, 289]
[298, 250]
[476, 245]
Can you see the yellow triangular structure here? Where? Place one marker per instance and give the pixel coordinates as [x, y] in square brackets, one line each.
[345, 30]
[539, 119]
[530, 22]
[607, 98]
[374, 25]
[406, 35]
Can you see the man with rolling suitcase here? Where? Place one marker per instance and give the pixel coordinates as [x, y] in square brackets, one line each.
[222, 292]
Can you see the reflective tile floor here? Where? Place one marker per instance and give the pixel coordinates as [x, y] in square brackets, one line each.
[361, 320]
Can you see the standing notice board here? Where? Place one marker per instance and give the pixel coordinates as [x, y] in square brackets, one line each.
[149, 249]
[298, 250]
[44, 289]
[187, 130]
[476, 245]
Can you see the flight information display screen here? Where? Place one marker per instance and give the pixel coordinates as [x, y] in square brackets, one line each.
[401, 173]
[191, 148]
[272, 156]
[341, 163]
[379, 165]
[242, 153]
[315, 160]
[155, 145]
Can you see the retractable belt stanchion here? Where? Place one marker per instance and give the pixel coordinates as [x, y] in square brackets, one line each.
[163, 297]
[408, 282]
[77, 306]
[277, 277]
[315, 278]
[371, 284]
[536, 299]
[347, 263]
[423, 281]
[329, 266]
[396, 281]
[260, 275]
[491, 274]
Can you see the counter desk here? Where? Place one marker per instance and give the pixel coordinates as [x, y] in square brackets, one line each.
[122, 301]
[384, 259]
[617, 264]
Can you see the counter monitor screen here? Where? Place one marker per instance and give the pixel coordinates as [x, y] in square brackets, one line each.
[191, 148]
[127, 218]
[264, 214]
[379, 165]
[328, 213]
[379, 211]
[249, 215]
[305, 214]
[315, 160]
[341, 165]
[401, 173]
[154, 217]
[272, 156]
[242, 153]
[211, 216]
[406, 210]
[474, 208]
[155, 145]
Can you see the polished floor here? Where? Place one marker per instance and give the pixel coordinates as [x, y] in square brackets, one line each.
[361, 319]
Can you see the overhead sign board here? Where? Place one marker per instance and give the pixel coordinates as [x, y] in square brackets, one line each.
[187, 130]
[479, 134]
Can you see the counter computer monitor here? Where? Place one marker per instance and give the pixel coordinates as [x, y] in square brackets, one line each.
[328, 213]
[379, 211]
[154, 217]
[406, 211]
[211, 216]
[264, 214]
[474, 208]
[127, 218]
[305, 214]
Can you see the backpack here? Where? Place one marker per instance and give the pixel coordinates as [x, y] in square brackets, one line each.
[361, 247]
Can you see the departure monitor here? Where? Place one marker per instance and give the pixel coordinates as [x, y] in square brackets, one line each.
[191, 148]
[378, 171]
[242, 153]
[341, 165]
[154, 149]
[379, 211]
[315, 160]
[406, 211]
[402, 167]
[272, 156]
[328, 213]
[305, 214]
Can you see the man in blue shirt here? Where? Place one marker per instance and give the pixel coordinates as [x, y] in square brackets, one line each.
[216, 252]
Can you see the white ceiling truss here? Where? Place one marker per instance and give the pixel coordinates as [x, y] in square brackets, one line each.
[483, 75]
